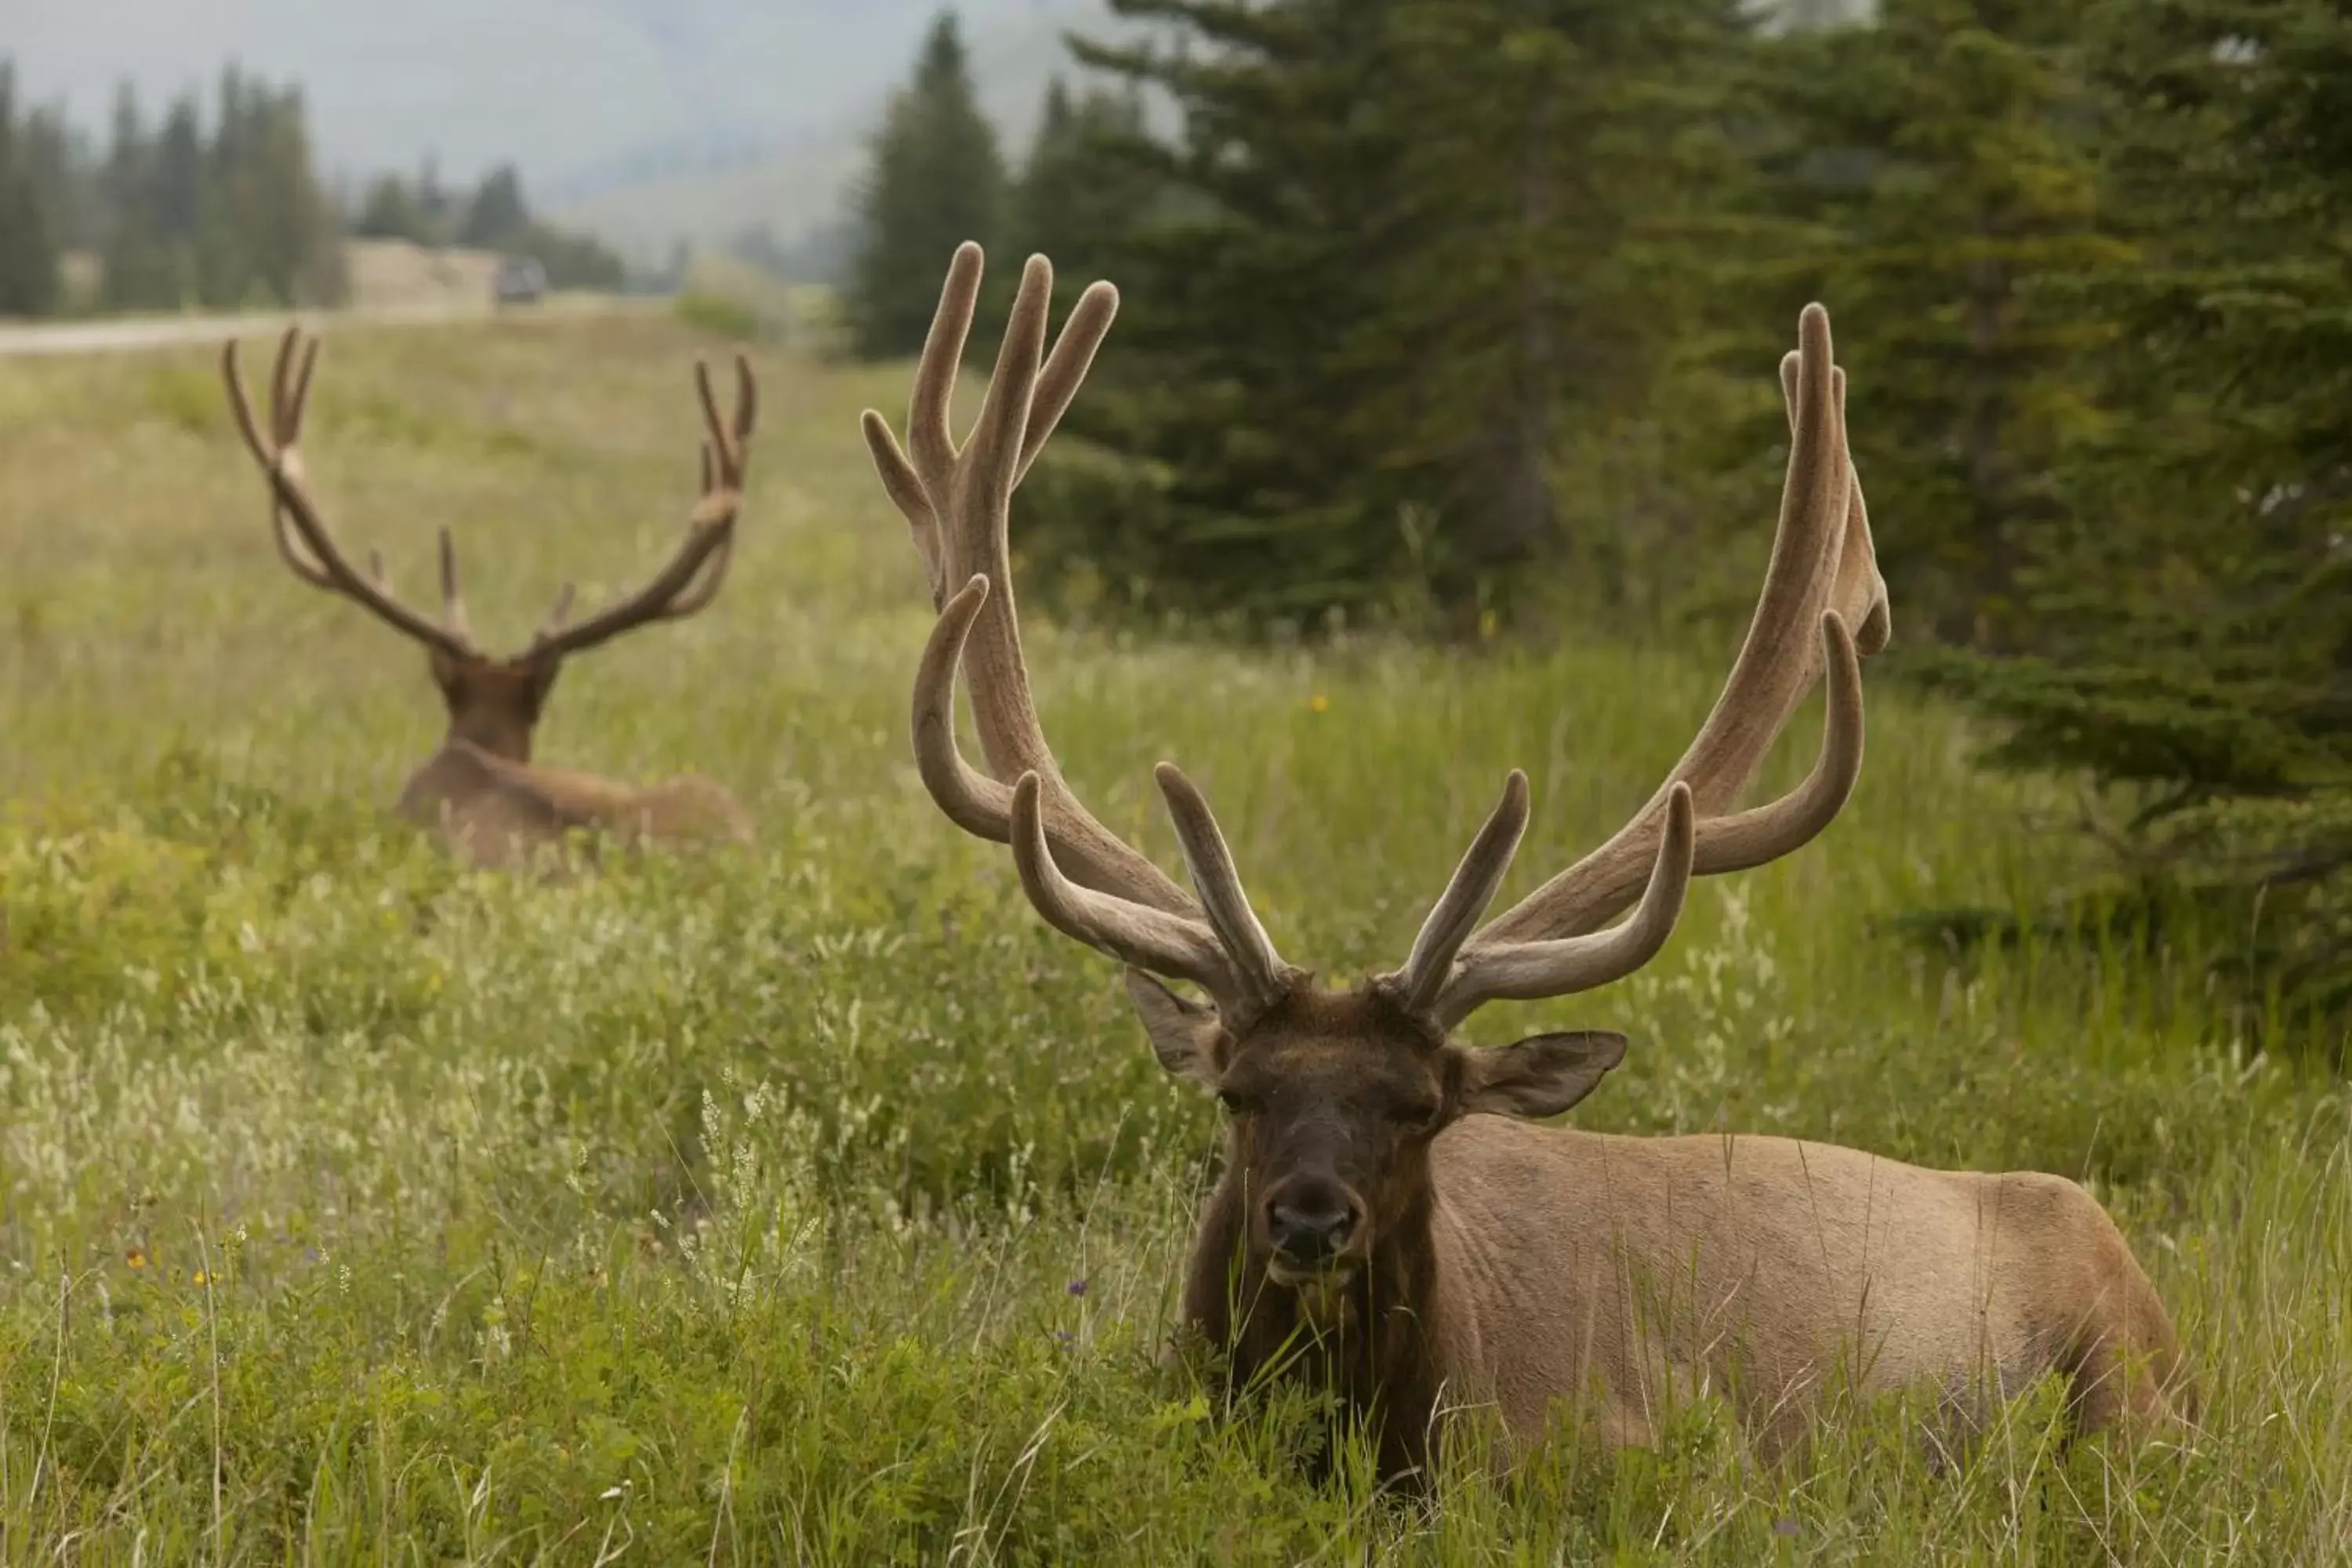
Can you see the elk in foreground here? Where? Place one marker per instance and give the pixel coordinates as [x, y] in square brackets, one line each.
[1388, 1202]
[481, 790]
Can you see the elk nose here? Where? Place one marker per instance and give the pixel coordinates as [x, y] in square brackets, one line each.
[1312, 1225]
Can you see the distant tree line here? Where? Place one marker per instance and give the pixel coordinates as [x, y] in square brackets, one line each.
[227, 209]
[494, 215]
[184, 211]
[1456, 314]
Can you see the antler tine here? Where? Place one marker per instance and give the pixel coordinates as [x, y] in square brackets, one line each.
[956, 502]
[299, 402]
[658, 600]
[970, 799]
[904, 487]
[328, 567]
[1137, 934]
[928, 438]
[747, 400]
[1821, 571]
[1530, 970]
[1065, 368]
[999, 439]
[728, 440]
[1457, 910]
[285, 407]
[694, 573]
[281, 530]
[286, 429]
[1258, 967]
[453, 602]
[559, 613]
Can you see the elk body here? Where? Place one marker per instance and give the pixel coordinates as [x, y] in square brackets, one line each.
[1391, 1219]
[481, 790]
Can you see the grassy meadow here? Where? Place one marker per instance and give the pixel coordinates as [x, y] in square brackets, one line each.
[819, 1204]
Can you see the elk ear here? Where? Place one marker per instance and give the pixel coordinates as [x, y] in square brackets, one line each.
[1542, 1074]
[1186, 1036]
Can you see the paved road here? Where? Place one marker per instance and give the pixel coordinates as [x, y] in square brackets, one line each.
[121, 335]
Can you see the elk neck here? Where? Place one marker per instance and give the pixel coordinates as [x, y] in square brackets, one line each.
[493, 705]
[1371, 1340]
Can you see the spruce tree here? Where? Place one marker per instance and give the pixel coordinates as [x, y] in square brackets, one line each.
[1227, 479]
[1940, 173]
[937, 179]
[393, 210]
[140, 271]
[28, 251]
[1557, 195]
[496, 213]
[1402, 247]
[2192, 625]
[1081, 194]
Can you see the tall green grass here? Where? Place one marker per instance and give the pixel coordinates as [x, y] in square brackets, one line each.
[817, 1204]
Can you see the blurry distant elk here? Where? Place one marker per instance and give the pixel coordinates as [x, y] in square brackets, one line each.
[1390, 1215]
[481, 789]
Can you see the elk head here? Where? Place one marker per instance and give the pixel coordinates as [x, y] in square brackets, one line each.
[494, 701]
[1336, 1097]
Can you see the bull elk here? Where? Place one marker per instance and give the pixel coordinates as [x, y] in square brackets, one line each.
[1388, 1202]
[480, 789]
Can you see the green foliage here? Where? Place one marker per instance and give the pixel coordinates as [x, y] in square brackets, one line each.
[937, 180]
[1081, 193]
[496, 210]
[1401, 254]
[496, 217]
[717, 315]
[819, 1201]
[28, 240]
[1938, 170]
[2190, 643]
[235, 218]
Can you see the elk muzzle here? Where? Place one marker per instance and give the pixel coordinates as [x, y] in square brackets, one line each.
[1312, 1224]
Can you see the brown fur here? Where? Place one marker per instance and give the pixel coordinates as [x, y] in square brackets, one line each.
[1388, 1223]
[1540, 1272]
[483, 793]
[481, 790]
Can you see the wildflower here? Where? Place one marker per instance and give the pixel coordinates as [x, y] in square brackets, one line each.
[1787, 1527]
[1077, 1286]
[1318, 703]
[135, 1258]
[199, 1277]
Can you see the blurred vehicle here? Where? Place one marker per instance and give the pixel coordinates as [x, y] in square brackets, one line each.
[521, 280]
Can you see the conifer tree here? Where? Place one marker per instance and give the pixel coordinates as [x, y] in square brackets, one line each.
[1570, 156]
[1081, 193]
[139, 268]
[937, 179]
[28, 250]
[1403, 241]
[497, 213]
[1940, 170]
[2192, 625]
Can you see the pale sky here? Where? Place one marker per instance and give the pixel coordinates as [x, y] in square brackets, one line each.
[567, 87]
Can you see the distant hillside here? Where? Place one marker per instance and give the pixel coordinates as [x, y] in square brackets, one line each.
[798, 189]
[582, 95]
[797, 185]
